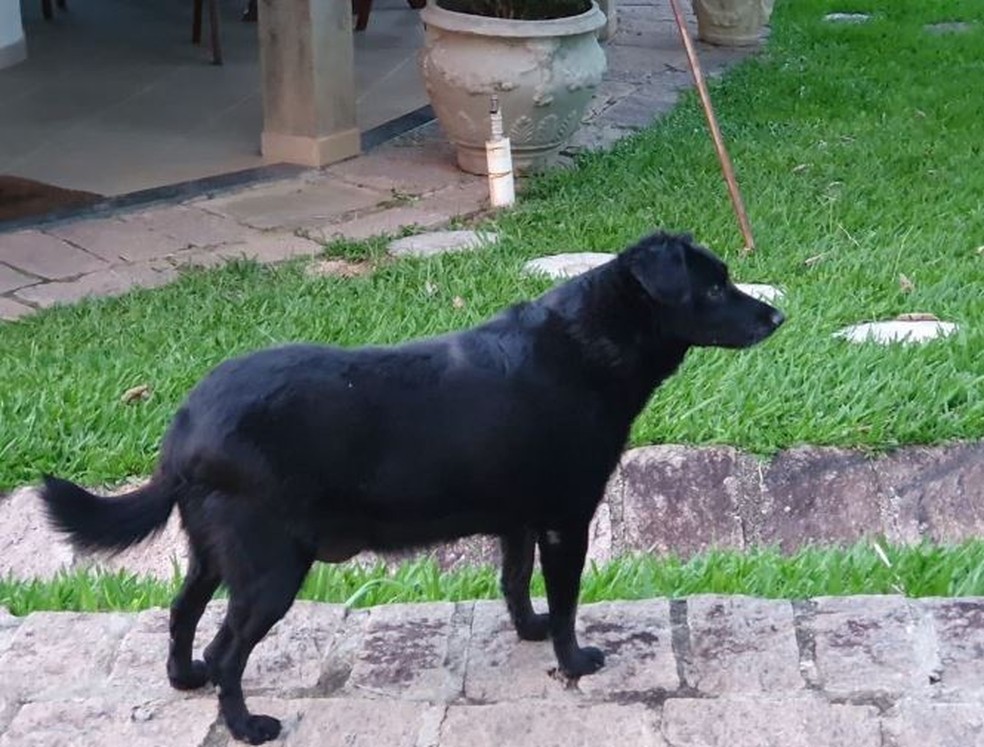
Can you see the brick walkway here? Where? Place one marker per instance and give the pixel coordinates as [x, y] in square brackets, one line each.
[723, 671]
[411, 181]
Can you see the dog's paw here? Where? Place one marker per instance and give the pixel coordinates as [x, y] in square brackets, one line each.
[189, 679]
[256, 729]
[534, 628]
[582, 661]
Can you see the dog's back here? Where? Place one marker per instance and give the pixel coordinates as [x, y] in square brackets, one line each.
[400, 446]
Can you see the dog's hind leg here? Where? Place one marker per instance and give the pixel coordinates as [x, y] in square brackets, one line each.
[262, 587]
[517, 568]
[200, 583]
[562, 553]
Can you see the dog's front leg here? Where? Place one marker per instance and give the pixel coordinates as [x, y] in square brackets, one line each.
[562, 554]
[517, 568]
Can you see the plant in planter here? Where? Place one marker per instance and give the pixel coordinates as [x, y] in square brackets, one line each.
[523, 10]
[540, 57]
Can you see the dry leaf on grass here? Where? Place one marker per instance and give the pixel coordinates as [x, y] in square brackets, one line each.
[906, 285]
[458, 302]
[917, 316]
[339, 268]
[135, 394]
[810, 261]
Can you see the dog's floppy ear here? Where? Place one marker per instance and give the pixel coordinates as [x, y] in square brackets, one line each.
[660, 267]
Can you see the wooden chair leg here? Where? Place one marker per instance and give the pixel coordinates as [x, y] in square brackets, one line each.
[250, 12]
[417, 4]
[361, 8]
[196, 23]
[46, 10]
[61, 5]
[213, 27]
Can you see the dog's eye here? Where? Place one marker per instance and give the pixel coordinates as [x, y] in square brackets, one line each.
[715, 293]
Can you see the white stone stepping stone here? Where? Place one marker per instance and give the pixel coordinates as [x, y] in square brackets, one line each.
[761, 291]
[948, 27]
[908, 328]
[846, 17]
[441, 242]
[571, 264]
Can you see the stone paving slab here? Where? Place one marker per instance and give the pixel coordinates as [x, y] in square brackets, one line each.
[358, 723]
[958, 627]
[939, 491]
[640, 659]
[493, 650]
[113, 281]
[8, 628]
[47, 256]
[11, 279]
[190, 226]
[440, 242]
[28, 548]
[550, 725]
[818, 498]
[402, 170]
[393, 675]
[270, 247]
[871, 640]
[405, 653]
[386, 222]
[769, 723]
[919, 724]
[116, 240]
[74, 723]
[741, 645]
[11, 309]
[291, 204]
[674, 502]
[55, 656]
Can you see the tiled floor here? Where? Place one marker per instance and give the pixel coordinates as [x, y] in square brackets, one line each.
[114, 98]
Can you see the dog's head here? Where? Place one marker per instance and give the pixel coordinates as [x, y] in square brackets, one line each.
[690, 290]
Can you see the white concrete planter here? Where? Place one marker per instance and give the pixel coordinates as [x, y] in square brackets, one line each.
[544, 73]
[13, 48]
[732, 23]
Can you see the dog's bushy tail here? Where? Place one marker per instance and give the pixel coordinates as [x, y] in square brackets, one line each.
[110, 524]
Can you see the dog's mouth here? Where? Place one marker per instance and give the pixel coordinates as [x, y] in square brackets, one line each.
[752, 336]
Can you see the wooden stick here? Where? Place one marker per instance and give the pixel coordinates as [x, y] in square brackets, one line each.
[705, 100]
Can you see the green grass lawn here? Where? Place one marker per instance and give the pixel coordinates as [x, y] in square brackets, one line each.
[858, 147]
[922, 571]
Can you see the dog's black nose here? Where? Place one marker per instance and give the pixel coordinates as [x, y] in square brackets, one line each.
[777, 318]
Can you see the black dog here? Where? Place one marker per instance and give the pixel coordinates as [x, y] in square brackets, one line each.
[306, 452]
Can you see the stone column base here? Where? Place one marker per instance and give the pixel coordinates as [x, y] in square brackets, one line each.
[13, 53]
[611, 16]
[310, 151]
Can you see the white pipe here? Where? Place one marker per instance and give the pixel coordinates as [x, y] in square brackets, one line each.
[498, 155]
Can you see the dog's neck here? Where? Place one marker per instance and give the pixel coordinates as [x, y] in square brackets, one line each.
[617, 331]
